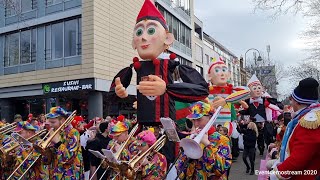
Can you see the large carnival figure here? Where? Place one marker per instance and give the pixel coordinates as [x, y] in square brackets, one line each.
[157, 91]
[219, 90]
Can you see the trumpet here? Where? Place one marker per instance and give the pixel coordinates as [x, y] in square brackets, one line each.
[191, 146]
[129, 169]
[8, 128]
[4, 152]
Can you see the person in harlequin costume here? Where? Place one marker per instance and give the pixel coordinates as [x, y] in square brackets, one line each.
[300, 148]
[67, 155]
[39, 171]
[155, 166]
[216, 159]
[119, 132]
[156, 90]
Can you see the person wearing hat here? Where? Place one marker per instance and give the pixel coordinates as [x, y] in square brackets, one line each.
[156, 166]
[119, 134]
[38, 170]
[300, 148]
[68, 161]
[216, 158]
[156, 89]
[17, 118]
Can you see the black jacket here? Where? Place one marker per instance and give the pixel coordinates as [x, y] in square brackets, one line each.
[97, 144]
[249, 138]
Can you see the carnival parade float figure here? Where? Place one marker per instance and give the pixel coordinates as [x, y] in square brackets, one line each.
[220, 89]
[156, 90]
[258, 106]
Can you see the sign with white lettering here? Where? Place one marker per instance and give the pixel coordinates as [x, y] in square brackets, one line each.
[68, 86]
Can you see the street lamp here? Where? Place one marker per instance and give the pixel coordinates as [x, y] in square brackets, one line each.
[255, 60]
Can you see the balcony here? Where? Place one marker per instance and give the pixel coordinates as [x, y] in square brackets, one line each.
[177, 9]
[182, 48]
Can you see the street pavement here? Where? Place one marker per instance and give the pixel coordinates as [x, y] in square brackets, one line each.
[238, 168]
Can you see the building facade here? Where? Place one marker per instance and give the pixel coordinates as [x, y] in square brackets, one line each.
[66, 53]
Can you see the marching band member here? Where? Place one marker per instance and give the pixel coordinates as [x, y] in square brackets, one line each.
[216, 159]
[154, 168]
[67, 160]
[38, 171]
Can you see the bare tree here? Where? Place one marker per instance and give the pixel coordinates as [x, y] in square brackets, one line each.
[279, 7]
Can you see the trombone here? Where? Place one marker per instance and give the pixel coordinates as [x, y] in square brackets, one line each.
[113, 165]
[42, 146]
[129, 169]
[8, 128]
[4, 152]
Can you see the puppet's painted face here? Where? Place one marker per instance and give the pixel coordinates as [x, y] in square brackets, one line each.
[219, 75]
[150, 39]
[256, 90]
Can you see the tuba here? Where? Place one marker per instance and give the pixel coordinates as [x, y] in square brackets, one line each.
[191, 146]
[129, 169]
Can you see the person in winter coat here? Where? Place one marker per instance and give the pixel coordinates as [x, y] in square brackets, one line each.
[249, 141]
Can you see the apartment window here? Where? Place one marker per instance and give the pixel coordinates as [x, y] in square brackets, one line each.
[188, 37]
[20, 48]
[199, 69]
[184, 61]
[207, 58]
[63, 39]
[199, 53]
[183, 34]
[169, 21]
[50, 2]
[13, 7]
[175, 27]
[162, 11]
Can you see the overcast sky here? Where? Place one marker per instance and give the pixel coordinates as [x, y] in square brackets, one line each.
[235, 25]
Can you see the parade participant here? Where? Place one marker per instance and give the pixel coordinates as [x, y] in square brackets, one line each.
[38, 171]
[100, 142]
[300, 148]
[68, 162]
[17, 118]
[156, 90]
[153, 166]
[219, 89]
[216, 159]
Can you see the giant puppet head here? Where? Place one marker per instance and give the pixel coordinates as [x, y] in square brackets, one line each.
[219, 73]
[255, 86]
[150, 35]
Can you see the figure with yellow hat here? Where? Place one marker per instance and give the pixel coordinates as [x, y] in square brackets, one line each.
[216, 158]
[67, 160]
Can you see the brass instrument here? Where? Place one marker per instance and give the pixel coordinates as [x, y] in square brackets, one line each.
[115, 166]
[42, 146]
[4, 152]
[129, 170]
[8, 128]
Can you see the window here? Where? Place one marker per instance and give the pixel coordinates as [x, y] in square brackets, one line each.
[188, 37]
[63, 39]
[20, 48]
[162, 11]
[175, 26]
[199, 53]
[14, 7]
[183, 34]
[184, 61]
[207, 58]
[70, 38]
[169, 21]
[50, 2]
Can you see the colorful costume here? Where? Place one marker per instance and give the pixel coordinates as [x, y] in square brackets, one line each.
[193, 88]
[300, 149]
[216, 158]
[68, 162]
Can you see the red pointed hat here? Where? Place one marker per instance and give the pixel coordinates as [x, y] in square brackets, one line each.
[149, 11]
